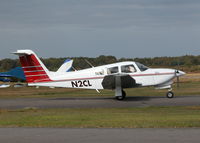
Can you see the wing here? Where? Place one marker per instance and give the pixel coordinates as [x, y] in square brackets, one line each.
[119, 80]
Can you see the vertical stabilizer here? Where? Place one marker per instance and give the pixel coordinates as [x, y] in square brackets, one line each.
[34, 69]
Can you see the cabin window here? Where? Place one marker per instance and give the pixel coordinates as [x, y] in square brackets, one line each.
[141, 66]
[101, 72]
[128, 69]
[113, 70]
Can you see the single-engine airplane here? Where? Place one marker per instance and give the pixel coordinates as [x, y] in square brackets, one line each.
[116, 76]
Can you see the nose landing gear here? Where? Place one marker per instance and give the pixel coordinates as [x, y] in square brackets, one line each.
[170, 94]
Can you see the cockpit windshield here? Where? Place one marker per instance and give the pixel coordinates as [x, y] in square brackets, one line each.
[141, 66]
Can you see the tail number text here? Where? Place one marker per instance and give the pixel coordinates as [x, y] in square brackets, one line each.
[81, 83]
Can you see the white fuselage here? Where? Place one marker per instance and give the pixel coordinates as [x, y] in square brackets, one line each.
[92, 78]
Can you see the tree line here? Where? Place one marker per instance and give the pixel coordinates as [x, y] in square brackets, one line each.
[187, 63]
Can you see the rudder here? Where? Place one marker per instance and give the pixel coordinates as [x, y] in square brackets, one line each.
[33, 68]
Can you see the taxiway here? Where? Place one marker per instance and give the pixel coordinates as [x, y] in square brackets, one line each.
[64, 135]
[98, 102]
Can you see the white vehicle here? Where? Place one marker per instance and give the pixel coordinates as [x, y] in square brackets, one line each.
[4, 85]
[113, 76]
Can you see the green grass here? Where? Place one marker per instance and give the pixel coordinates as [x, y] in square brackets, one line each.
[145, 117]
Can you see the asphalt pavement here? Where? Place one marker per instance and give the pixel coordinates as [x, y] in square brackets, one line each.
[66, 135]
[98, 102]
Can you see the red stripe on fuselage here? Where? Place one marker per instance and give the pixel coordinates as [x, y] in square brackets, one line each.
[152, 74]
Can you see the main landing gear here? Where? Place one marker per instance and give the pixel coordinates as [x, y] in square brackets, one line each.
[123, 95]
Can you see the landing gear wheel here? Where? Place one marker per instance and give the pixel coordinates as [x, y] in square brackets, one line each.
[170, 94]
[123, 93]
[121, 97]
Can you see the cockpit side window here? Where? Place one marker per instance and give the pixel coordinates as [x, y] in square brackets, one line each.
[128, 69]
[141, 66]
[112, 70]
[99, 72]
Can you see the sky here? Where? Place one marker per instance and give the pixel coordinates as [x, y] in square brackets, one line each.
[122, 28]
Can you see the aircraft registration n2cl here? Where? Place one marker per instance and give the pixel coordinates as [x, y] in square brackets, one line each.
[116, 76]
[81, 83]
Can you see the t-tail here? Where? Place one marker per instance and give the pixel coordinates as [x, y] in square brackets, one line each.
[34, 70]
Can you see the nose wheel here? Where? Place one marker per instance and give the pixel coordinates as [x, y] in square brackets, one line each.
[170, 94]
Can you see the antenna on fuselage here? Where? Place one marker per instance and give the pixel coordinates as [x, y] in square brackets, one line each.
[74, 68]
[88, 63]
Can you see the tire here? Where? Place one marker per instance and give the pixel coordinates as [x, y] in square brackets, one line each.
[123, 93]
[121, 97]
[170, 94]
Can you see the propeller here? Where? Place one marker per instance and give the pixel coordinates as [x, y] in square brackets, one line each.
[177, 78]
[177, 74]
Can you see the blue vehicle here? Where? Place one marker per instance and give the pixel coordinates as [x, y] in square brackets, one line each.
[16, 72]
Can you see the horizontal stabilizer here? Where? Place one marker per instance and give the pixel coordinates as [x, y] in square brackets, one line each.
[66, 66]
[23, 52]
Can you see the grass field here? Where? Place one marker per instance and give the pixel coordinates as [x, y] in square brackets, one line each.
[143, 117]
[146, 117]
